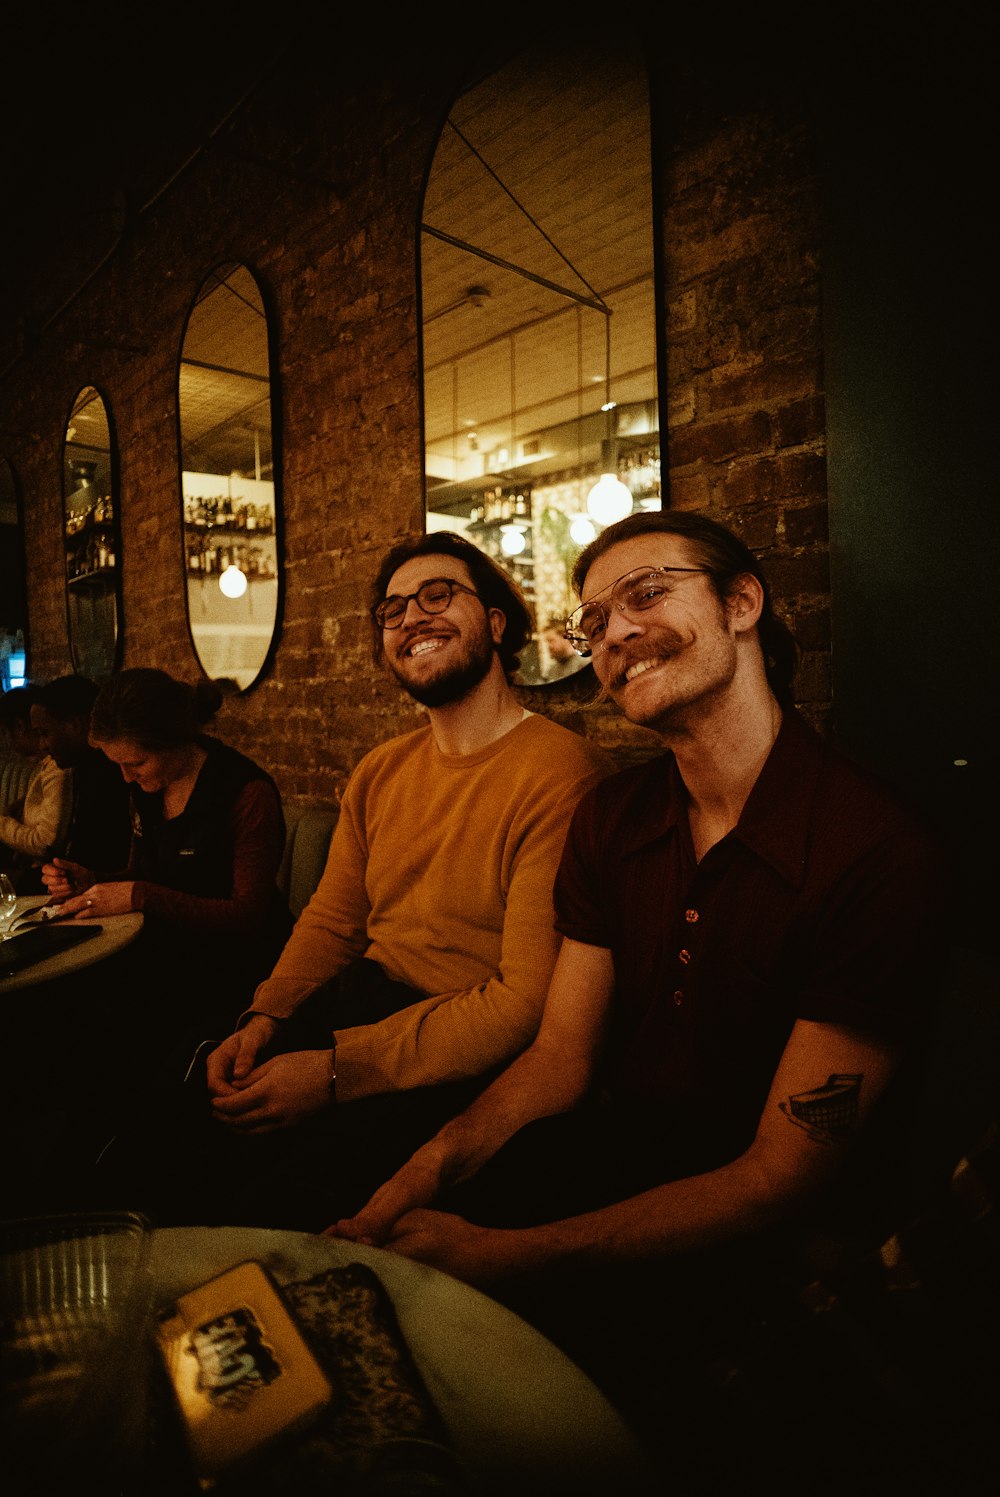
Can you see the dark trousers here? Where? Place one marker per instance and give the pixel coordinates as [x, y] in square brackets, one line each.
[172, 1160]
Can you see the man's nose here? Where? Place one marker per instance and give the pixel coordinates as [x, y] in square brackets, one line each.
[414, 613]
[618, 627]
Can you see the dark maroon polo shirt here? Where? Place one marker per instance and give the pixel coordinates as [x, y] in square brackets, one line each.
[825, 902]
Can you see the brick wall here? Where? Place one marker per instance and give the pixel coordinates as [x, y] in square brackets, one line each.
[315, 183]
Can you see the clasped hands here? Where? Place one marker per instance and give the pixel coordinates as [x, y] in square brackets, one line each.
[277, 1093]
[398, 1218]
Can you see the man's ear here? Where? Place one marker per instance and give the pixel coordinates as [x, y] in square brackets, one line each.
[498, 623]
[745, 602]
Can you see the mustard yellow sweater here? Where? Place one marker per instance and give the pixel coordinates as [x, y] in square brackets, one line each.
[441, 870]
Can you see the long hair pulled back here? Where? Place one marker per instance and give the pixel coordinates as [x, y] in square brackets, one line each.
[152, 709]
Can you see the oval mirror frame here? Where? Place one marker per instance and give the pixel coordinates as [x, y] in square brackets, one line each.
[231, 513]
[13, 583]
[539, 336]
[92, 537]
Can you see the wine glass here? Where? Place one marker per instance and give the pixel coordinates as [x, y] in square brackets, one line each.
[8, 904]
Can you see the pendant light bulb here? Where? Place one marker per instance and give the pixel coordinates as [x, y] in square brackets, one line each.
[582, 530]
[233, 582]
[609, 500]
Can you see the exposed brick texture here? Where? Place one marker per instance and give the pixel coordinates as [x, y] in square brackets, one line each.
[316, 185]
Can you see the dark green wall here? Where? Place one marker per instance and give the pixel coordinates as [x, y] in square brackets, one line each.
[909, 286]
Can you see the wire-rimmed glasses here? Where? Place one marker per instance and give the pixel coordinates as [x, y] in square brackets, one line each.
[633, 593]
[432, 596]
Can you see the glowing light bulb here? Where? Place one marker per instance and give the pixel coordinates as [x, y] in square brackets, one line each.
[233, 582]
[609, 500]
[512, 541]
[582, 530]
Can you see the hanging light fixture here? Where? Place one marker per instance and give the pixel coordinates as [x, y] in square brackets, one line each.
[609, 500]
[233, 581]
[512, 541]
[582, 530]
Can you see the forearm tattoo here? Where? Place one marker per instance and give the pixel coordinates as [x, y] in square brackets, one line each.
[828, 1113]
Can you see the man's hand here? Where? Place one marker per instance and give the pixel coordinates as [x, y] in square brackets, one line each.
[478, 1255]
[63, 878]
[232, 1061]
[414, 1185]
[282, 1091]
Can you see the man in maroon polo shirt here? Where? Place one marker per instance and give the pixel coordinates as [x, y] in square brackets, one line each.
[750, 936]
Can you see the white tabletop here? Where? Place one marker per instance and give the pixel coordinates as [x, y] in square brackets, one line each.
[520, 1414]
[117, 931]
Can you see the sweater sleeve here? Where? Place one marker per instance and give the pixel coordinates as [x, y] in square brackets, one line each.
[48, 803]
[466, 1033]
[258, 837]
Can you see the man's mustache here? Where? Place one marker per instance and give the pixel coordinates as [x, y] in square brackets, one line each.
[668, 643]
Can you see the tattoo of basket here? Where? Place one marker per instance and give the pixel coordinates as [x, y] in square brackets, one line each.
[828, 1111]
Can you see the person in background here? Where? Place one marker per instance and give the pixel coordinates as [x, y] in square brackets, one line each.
[557, 654]
[100, 831]
[419, 966]
[36, 828]
[750, 938]
[207, 837]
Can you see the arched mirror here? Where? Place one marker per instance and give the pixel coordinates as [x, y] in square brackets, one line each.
[92, 537]
[13, 589]
[228, 480]
[541, 418]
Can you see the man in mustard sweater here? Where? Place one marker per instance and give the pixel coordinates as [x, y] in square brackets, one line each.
[419, 968]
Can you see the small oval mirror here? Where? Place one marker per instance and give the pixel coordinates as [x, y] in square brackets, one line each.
[541, 415]
[228, 479]
[92, 537]
[13, 589]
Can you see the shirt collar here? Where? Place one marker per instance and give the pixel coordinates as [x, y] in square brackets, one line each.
[774, 824]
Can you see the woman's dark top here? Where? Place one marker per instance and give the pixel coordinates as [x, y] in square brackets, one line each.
[206, 880]
[99, 832]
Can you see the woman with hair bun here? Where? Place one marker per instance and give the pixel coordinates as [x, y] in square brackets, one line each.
[207, 838]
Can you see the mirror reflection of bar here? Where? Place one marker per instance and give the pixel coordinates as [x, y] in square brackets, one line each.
[541, 414]
[92, 537]
[227, 479]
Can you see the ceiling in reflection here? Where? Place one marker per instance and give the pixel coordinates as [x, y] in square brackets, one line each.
[224, 382]
[507, 181]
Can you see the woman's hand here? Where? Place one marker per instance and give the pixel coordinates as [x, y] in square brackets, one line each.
[100, 900]
[63, 879]
[282, 1091]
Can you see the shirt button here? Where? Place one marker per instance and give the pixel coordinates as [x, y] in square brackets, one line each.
[690, 916]
[685, 956]
[679, 997]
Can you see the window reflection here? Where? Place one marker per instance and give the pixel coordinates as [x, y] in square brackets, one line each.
[228, 479]
[539, 333]
[92, 537]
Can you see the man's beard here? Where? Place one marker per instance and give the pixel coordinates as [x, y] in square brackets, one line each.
[452, 685]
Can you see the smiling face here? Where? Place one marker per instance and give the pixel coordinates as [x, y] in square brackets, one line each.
[677, 657]
[440, 657]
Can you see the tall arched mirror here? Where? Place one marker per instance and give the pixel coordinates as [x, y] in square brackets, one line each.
[228, 479]
[92, 537]
[13, 584]
[541, 417]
